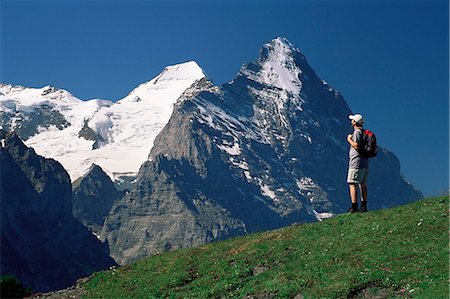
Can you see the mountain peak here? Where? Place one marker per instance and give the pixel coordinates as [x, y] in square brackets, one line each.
[14, 144]
[281, 43]
[12, 138]
[276, 67]
[6, 88]
[32, 96]
[182, 71]
[95, 167]
[179, 76]
[280, 47]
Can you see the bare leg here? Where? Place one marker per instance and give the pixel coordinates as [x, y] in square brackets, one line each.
[353, 193]
[363, 198]
[364, 192]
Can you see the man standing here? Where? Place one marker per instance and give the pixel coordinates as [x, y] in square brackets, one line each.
[358, 168]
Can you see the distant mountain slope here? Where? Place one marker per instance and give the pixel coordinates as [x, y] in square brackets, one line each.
[400, 252]
[42, 244]
[116, 136]
[93, 196]
[265, 150]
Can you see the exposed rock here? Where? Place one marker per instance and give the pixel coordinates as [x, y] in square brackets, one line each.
[87, 133]
[259, 270]
[43, 116]
[43, 245]
[93, 197]
[159, 215]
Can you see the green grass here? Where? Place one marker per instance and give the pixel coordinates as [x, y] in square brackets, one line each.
[400, 252]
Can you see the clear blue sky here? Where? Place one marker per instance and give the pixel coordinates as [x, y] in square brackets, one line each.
[389, 59]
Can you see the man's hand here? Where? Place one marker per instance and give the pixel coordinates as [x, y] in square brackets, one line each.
[350, 140]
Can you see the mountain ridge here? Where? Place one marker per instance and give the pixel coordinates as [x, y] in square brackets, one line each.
[243, 157]
[80, 133]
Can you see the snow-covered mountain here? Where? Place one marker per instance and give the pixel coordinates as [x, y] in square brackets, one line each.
[265, 150]
[114, 135]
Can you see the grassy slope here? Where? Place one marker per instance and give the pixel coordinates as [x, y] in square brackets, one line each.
[400, 252]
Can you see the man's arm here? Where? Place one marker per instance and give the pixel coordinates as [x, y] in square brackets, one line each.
[352, 143]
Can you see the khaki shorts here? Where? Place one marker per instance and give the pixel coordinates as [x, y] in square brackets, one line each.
[357, 176]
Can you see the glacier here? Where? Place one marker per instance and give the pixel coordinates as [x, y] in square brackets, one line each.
[125, 129]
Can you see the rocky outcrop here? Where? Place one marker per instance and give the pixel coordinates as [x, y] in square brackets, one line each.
[93, 197]
[42, 116]
[265, 150]
[159, 215]
[87, 133]
[43, 245]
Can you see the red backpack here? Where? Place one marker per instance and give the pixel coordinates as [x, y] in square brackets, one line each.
[369, 148]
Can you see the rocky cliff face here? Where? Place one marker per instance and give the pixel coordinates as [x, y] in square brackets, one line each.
[43, 245]
[93, 197]
[262, 151]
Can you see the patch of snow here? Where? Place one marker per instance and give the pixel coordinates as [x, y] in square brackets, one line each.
[319, 216]
[51, 128]
[307, 137]
[218, 119]
[305, 183]
[235, 150]
[242, 165]
[308, 188]
[265, 190]
[96, 235]
[279, 68]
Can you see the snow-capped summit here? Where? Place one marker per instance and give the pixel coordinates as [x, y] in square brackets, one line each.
[277, 67]
[172, 76]
[10, 88]
[182, 71]
[116, 136]
[281, 45]
[26, 97]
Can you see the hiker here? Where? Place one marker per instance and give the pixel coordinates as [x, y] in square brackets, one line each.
[358, 168]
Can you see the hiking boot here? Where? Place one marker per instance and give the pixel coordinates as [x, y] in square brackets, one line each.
[352, 210]
[363, 206]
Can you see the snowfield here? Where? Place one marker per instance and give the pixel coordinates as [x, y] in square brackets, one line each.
[127, 127]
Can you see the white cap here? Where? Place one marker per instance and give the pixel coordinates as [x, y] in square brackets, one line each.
[357, 117]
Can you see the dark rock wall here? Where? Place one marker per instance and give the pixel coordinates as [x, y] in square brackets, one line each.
[93, 197]
[43, 245]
